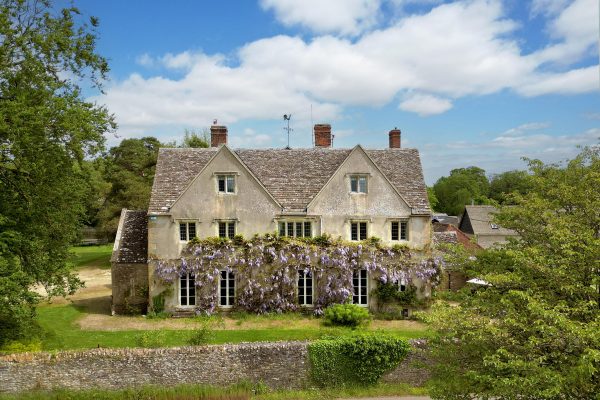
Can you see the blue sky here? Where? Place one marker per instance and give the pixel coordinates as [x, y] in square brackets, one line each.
[480, 82]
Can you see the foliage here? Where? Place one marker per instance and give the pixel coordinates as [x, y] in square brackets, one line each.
[46, 130]
[195, 139]
[507, 183]
[158, 303]
[266, 267]
[359, 359]
[151, 339]
[535, 332]
[202, 335]
[463, 186]
[389, 292]
[129, 169]
[434, 203]
[29, 346]
[351, 315]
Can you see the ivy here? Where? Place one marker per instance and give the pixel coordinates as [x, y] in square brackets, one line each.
[361, 358]
[388, 293]
[266, 269]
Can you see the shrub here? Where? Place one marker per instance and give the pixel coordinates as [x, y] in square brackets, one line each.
[202, 335]
[346, 315]
[358, 359]
[21, 347]
[151, 339]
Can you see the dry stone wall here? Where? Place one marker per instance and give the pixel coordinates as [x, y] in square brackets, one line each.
[278, 365]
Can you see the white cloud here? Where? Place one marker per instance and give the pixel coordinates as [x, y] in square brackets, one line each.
[249, 138]
[145, 60]
[425, 104]
[547, 7]
[458, 49]
[581, 80]
[521, 129]
[346, 17]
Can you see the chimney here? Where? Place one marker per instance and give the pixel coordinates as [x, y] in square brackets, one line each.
[323, 136]
[218, 135]
[395, 138]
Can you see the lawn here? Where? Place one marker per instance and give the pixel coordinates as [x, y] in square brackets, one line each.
[62, 332]
[92, 256]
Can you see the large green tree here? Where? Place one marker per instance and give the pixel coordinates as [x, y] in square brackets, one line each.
[130, 172]
[534, 332]
[463, 186]
[504, 184]
[46, 130]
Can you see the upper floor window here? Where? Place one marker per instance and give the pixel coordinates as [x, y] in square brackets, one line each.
[187, 290]
[226, 183]
[399, 230]
[358, 231]
[187, 231]
[295, 228]
[358, 184]
[227, 229]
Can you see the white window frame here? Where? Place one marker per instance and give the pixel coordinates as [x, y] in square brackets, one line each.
[360, 286]
[227, 224]
[226, 177]
[293, 222]
[187, 278]
[402, 285]
[229, 300]
[303, 278]
[358, 238]
[407, 230]
[187, 230]
[358, 178]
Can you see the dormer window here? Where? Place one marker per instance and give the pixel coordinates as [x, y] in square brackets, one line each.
[358, 183]
[226, 183]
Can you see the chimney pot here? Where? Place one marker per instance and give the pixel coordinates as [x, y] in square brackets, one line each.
[323, 136]
[395, 138]
[218, 135]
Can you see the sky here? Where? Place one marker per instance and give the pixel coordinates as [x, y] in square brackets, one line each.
[477, 82]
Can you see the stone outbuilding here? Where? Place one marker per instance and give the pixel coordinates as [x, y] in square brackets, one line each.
[478, 222]
[130, 264]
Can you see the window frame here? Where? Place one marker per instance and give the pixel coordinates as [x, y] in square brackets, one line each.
[187, 278]
[402, 223]
[229, 299]
[188, 224]
[359, 273]
[284, 226]
[358, 230]
[302, 277]
[226, 177]
[228, 226]
[358, 178]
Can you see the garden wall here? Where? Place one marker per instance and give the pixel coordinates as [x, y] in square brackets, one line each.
[278, 365]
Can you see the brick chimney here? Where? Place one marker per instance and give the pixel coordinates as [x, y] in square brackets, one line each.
[218, 135]
[395, 138]
[323, 136]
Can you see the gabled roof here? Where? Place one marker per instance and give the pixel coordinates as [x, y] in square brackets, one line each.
[480, 219]
[131, 242]
[293, 177]
[448, 233]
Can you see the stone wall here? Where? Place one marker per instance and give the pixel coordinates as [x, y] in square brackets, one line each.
[129, 288]
[278, 365]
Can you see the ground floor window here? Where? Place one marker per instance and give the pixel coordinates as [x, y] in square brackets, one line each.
[227, 229]
[187, 290]
[305, 288]
[295, 228]
[359, 286]
[226, 289]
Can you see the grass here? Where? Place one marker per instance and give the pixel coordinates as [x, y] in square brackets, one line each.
[62, 333]
[92, 256]
[240, 391]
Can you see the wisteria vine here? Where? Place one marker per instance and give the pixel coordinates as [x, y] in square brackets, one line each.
[266, 269]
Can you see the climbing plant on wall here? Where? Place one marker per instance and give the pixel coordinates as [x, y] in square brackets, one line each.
[267, 266]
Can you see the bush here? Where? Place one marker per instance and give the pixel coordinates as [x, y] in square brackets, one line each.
[202, 335]
[361, 359]
[21, 347]
[345, 315]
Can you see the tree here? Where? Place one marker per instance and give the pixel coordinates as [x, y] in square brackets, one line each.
[192, 138]
[534, 333]
[501, 185]
[463, 186]
[130, 172]
[433, 200]
[46, 130]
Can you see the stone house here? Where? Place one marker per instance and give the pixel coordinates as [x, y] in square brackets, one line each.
[478, 223]
[352, 194]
